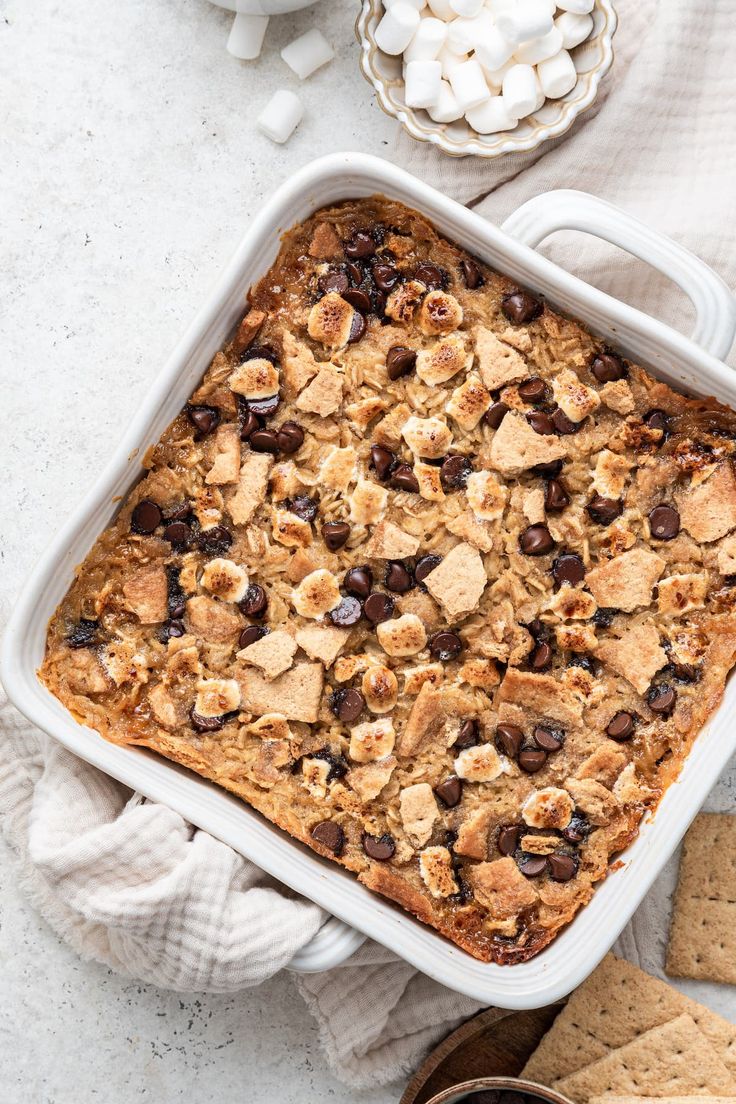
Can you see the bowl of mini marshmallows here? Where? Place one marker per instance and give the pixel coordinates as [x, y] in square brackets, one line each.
[486, 77]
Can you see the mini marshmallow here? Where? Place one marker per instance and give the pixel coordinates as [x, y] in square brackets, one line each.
[449, 59]
[578, 7]
[422, 83]
[442, 9]
[493, 50]
[308, 53]
[445, 109]
[498, 7]
[528, 19]
[462, 35]
[397, 27]
[281, 116]
[539, 49]
[427, 42]
[520, 90]
[491, 116]
[469, 84]
[418, 4]
[467, 9]
[494, 77]
[557, 75]
[574, 28]
[246, 36]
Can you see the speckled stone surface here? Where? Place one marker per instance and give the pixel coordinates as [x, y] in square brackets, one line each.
[130, 167]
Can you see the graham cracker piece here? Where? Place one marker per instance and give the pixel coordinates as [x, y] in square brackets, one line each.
[702, 941]
[617, 1003]
[674, 1059]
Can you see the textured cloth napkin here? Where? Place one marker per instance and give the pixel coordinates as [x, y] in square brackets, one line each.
[128, 882]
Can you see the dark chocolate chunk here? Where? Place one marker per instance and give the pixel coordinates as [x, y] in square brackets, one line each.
[360, 246]
[454, 472]
[357, 299]
[556, 497]
[426, 565]
[540, 422]
[533, 390]
[289, 437]
[509, 739]
[382, 461]
[607, 367]
[304, 507]
[398, 578]
[251, 634]
[333, 281]
[255, 601]
[532, 759]
[664, 523]
[541, 658]
[404, 479]
[379, 607]
[431, 275]
[450, 791]
[536, 540]
[264, 408]
[604, 510]
[531, 866]
[563, 425]
[357, 328]
[214, 541]
[568, 568]
[380, 848]
[358, 581]
[264, 440]
[621, 726]
[330, 835]
[204, 418]
[468, 736]
[662, 699]
[445, 645]
[335, 534]
[146, 517]
[400, 361]
[348, 613]
[385, 276]
[521, 307]
[178, 534]
[250, 424]
[548, 739]
[508, 838]
[472, 274]
[562, 867]
[205, 724]
[495, 414]
[347, 704]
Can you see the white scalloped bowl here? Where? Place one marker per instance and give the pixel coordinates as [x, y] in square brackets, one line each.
[593, 58]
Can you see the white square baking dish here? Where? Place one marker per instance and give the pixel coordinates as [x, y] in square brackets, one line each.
[689, 364]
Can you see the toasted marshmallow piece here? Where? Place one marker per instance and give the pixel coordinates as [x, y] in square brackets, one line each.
[225, 579]
[520, 91]
[548, 808]
[422, 82]
[380, 689]
[281, 116]
[255, 379]
[491, 117]
[430, 481]
[372, 740]
[468, 402]
[440, 313]
[487, 497]
[467, 9]
[443, 361]
[574, 398]
[367, 502]
[469, 84]
[527, 19]
[445, 109]
[246, 36]
[539, 49]
[307, 53]
[397, 27]
[574, 28]
[403, 636]
[578, 7]
[290, 530]
[331, 321]
[493, 50]
[428, 438]
[427, 42]
[216, 697]
[481, 763]
[557, 75]
[317, 594]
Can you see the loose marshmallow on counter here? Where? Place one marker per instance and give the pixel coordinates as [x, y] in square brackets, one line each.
[574, 28]
[526, 20]
[469, 84]
[246, 36]
[427, 42]
[281, 115]
[557, 75]
[520, 90]
[445, 109]
[307, 53]
[467, 8]
[491, 116]
[579, 7]
[539, 49]
[493, 50]
[397, 27]
[422, 83]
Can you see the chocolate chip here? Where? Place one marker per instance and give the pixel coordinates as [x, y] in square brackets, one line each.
[550, 470]
[547, 739]
[214, 541]
[380, 848]
[521, 307]
[358, 581]
[204, 418]
[532, 759]
[509, 739]
[289, 437]
[604, 510]
[178, 534]
[538, 629]
[355, 272]
[385, 276]
[264, 408]
[432, 275]
[205, 724]
[180, 512]
[397, 578]
[607, 367]
[358, 300]
[662, 699]
[508, 838]
[445, 645]
[684, 672]
[83, 634]
[533, 865]
[176, 599]
[382, 461]
[357, 328]
[347, 704]
[330, 835]
[472, 274]
[260, 352]
[563, 425]
[540, 422]
[657, 419]
[379, 607]
[304, 507]
[335, 534]
[562, 867]
[621, 726]
[450, 791]
[400, 361]
[264, 440]
[251, 634]
[577, 830]
[664, 522]
[360, 246]
[536, 540]
[468, 736]
[454, 472]
[603, 617]
[585, 661]
[250, 424]
[145, 517]
[404, 479]
[533, 390]
[495, 414]
[568, 568]
[171, 628]
[255, 601]
[426, 565]
[334, 281]
[556, 497]
[541, 657]
[339, 766]
[348, 613]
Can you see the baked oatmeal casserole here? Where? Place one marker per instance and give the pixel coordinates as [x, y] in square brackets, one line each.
[426, 574]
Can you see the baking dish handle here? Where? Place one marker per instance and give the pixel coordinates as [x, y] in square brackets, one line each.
[715, 306]
[331, 946]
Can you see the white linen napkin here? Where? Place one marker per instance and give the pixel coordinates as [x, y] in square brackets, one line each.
[128, 882]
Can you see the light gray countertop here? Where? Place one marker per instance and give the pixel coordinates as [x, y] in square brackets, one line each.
[130, 167]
